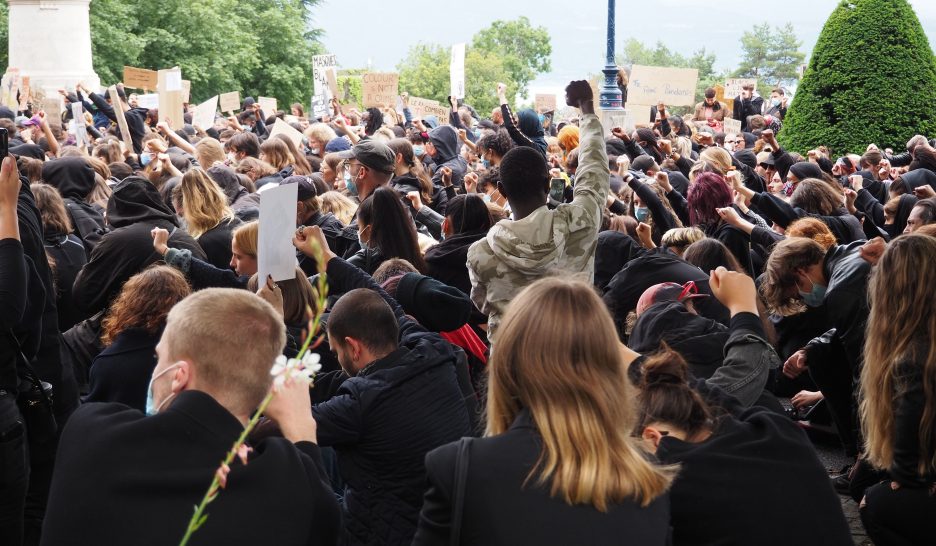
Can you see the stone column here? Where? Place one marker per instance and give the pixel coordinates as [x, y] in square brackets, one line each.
[50, 41]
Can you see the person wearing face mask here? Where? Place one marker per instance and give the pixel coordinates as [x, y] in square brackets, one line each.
[385, 230]
[493, 147]
[801, 270]
[368, 165]
[114, 461]
[777, 107]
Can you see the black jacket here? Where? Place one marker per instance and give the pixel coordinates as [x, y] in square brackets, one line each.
[122, 371]
[844, 226]
[74, 179]
[245, 205]
[737, 241]
[612, 253]
[701, 341]
[383, 421]
[751, 459]
[445, 140]
[216, 243]
[134, 209]
[115, 464]
[501, 508]
[136, 120]
[448, 260]
[743, 108]
[69, 256]
[909, 406]
[332, 228]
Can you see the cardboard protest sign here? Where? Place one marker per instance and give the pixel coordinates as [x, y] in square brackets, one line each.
[52, 106]
[204, 116]
[331, 76]
[732, 126]
[186, 91]
[276, 255]
[380, 89]
[140, 78]
[640, 113]
[230, 101]
[322, 91]
[734, 86]
[9, 87]
[121, 118]
[457, 71]
[652, 84]
[545, 103]
[427, 107]
[281, 127]
[267, 105]
[169, 86]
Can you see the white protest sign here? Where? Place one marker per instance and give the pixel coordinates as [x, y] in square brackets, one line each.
[174, 80]
[204, 115]
[281, 127]
[734, 86]
[653, 84]
[321, 92]
[230, 101]
[732, 126]
[81, 131]
[267, 105]
[457, 71]
[276, 255]
[148, 101]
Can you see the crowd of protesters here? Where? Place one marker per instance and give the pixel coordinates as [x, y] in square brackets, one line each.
[537, 331]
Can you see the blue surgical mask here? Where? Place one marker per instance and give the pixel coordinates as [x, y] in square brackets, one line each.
[815, 296]
[641, 213]
[419, 150]
[349, 183]
[151, 407]
[775, 102]
[486, 163]
[145, 158]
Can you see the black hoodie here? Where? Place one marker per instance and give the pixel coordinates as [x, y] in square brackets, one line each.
[445, 140]
[245, 206]
[133, 211]
[699, 340]
[448, 260]
[74, 179]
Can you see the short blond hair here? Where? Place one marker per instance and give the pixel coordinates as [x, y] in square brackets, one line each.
[208, 151]
[234, 369]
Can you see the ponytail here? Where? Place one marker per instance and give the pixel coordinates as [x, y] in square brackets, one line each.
[666, 397]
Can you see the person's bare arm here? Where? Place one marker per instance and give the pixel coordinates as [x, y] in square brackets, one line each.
[340, 122]
[47, 131]
[166, 130]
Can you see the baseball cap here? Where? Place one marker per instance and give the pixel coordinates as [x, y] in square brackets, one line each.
[372, 154]
[667, 291]
[765, 158]
[306, 188]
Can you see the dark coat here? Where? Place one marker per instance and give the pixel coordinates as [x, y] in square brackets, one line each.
[69, 256]
[216, 243]
[122, 371]
[701, 341]
[445, 140]
[744, 108]
[73, 177]
[448, 260]
[501, 509]
[134, 209]
[136, 120]
[332, 228]
[383, 421]
[115, 465]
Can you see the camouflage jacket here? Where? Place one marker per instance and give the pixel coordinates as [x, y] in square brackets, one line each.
[560, 241]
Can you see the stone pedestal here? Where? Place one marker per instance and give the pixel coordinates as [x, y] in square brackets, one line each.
[50, 41]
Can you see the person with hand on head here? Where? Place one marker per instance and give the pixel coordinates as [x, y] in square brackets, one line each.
[114, 461]
[747, 105]
[396, 398]
[539, 239]
[745, 451]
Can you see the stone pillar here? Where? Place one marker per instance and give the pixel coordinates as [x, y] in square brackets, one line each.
[50, 41]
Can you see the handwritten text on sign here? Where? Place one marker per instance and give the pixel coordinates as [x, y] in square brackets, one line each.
[380, 89]
[653, 84]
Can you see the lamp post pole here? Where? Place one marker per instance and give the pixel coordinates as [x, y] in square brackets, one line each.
[609, 97]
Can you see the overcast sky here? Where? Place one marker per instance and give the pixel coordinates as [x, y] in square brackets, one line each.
[577, 28]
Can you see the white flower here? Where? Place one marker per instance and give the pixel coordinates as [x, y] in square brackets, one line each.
[311, 362]
[285, 369]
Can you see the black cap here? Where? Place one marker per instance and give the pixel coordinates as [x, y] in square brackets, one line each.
[306, 188]
[372, 154]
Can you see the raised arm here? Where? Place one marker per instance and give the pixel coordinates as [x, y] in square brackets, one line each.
[592, 178]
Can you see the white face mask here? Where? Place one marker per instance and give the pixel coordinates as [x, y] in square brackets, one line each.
[232, 158]
[151, 407]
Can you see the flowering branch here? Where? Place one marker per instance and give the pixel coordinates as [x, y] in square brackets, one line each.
[303, 367]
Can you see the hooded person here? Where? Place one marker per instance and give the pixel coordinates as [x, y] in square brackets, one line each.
[613, 252]
[444, 153]
[73, 177]
[532, 126]
[28, 150]
[905, 204]
[135, 117]
[245, 206]
[134, 209]
[919, 177]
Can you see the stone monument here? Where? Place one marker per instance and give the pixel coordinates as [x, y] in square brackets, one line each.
[56, 52]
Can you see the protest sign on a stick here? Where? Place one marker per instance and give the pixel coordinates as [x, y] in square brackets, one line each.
[322, 91]
[457, 72]
[121, 118]
[230, 102]
[380, 89]
[169, 85]
[545, 103]
[204, 116]
[80, 127]
[267, 105]
[734, 86]
[654, 84]
[428, 107]
[148, 101]
[140, 78]
[186, 91]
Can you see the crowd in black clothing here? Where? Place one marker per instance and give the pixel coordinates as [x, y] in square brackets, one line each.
[536, 331]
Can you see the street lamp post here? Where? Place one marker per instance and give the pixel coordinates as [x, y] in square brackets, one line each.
[609, 98]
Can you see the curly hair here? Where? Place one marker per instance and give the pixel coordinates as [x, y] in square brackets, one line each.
[144, 302]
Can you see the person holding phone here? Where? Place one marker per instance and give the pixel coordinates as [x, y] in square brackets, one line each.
[747, 104]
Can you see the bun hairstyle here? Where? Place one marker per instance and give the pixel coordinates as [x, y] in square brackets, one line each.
[666, 397]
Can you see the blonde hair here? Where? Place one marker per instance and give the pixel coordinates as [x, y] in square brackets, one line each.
[718, 158]
[234, 370]
[321, 132]
[681, 237]
[339, 205]
[208, 151]
[276, 153]
[245, 237]
[558, 356]
[297, 296]
[204, 204]
[900, 287]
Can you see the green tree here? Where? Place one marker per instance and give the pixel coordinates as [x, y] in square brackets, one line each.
[877, 85]
[772, 56]
[523, 50]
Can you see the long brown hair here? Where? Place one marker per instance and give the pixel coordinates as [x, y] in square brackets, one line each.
[301, 165]
[144, 302]
[51, 209]
[816, 196]
[276, 153]
[558, 356]
[405, 149]
[901, 330]
[666, 397]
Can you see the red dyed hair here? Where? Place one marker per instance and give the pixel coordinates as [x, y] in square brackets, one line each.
[707, 193]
